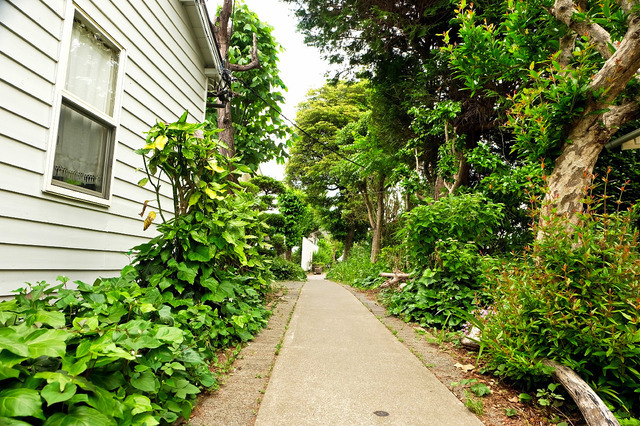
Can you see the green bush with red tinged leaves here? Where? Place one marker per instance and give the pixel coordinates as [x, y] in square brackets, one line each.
[574, 297]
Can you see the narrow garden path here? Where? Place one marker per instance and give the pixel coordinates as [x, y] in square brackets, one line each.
[339, 365]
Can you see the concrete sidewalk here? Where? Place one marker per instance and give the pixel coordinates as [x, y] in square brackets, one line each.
[339, 366]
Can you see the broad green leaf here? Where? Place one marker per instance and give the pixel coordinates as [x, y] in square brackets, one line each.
[80, 416]
[170, 334]
[21, 403]
[138, 403]
[200, 254]
[52, 393]
[91, 323]
[145, 381]
[7, 318]
[145, 420]
[195, 197]
[51, 343]
[143, 181]
[6, 421]
[11, 341]
[53, 318]
[8, 373]
[186, 274]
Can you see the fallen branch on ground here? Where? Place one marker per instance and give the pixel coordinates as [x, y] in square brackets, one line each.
[594, 411]
[396, 277]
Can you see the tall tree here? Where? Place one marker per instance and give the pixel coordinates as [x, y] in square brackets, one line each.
[250, 125]
[575, 70]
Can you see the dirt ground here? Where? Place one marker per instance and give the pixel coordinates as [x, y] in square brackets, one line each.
[237, 400]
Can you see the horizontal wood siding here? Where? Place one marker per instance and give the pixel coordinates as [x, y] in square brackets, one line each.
[42, 235]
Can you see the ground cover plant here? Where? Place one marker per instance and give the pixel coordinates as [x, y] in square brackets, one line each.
[136, 349]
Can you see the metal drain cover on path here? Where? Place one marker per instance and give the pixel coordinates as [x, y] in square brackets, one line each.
[381, 413]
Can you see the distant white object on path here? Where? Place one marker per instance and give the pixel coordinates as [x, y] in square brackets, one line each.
[308, 248]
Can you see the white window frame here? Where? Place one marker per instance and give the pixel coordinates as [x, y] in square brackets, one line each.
[62, 96]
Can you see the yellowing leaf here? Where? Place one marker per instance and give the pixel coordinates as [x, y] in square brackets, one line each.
[215, 167]
[148, 220]
[160, 142]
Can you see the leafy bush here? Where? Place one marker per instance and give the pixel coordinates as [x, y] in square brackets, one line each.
[136, 349]
[573, 298]
[454, 283]
[283, 270]
[467, 218]
[443, 243]
[324, 256]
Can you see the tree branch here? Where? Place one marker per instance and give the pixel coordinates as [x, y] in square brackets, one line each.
[563, 10]
[626, 5]
[255, 61]
[620, 114]
[620, 67]
[567, 43]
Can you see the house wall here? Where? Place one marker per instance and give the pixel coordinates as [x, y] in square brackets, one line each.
[44, 235]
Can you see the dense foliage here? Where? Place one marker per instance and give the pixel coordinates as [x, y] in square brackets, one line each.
[444, 241]
[258, 129]
[572, 297]
[137, 349]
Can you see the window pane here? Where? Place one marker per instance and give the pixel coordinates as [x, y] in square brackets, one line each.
[92, 69]
[81, 149]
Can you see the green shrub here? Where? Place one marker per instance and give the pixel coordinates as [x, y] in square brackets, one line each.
[467, 218]
[283, 270]
[453, 283]
[573, 298]
[109, 353]
[324, 256]
[136, 349]
[443, 244]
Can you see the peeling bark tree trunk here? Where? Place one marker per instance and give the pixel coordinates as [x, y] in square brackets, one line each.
[588, 134]
[572, 169]
[223, 30]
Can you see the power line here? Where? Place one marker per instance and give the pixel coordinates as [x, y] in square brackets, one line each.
[313, 138]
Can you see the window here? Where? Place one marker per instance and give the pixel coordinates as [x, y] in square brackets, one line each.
[87, 121]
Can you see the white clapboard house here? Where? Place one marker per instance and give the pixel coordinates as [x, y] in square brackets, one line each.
[80, 83]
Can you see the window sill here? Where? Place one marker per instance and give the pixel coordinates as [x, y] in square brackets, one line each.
[76, 195]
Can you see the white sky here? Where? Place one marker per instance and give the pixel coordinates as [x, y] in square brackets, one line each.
[301, 67]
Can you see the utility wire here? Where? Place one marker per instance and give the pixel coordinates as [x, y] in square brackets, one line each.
[313, 138]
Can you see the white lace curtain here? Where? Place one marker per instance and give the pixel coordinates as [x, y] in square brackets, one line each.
[83, 143]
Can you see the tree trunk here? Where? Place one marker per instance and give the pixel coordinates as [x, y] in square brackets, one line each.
[572, 171]
[226, 124]
[376, 242]
[223, 30]
[348, 242]
[287, 255]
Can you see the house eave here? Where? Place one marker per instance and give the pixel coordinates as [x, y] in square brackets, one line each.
[199, 18]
